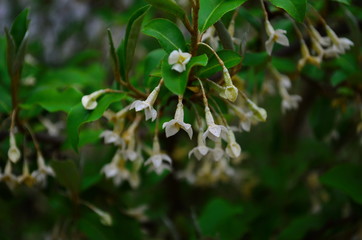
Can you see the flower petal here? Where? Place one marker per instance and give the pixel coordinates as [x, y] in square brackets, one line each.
[173, 58]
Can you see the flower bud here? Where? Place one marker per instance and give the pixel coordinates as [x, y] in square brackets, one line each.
[14, 153]
[259, 112]
[90, 101]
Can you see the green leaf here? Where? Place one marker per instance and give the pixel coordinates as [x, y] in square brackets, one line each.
[167, 33]
[215, 214]
[114, 56]
[212, 10]
[346, 178]
[132, 32]
[230, 59]
[295, 8]
[54, 100]
[176, 82]
[67, 174]
[300, 226]
[152, 61]
[168, 6]
[78, 116]
[20, 27]
[338, 77]
[254, 59]
[347, 2]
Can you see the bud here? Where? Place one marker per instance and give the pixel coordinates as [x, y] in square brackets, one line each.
[258, 112]
[14, 152]
[233, 149]
[90, 101]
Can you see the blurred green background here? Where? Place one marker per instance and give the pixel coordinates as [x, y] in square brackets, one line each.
[301, 178]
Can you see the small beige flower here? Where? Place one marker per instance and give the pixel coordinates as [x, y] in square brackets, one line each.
[275, 36]
[307, 58]
[147, 105]
[201, 150]
[213, 131]
[179, 60]
[174, 125]
[157, 158]
[341, 44]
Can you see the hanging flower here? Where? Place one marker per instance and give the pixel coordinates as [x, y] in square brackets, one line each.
[8, 177]
[14, 153]
[116, 169]
[173, 126]
[233, 148]
[275, 36]
[112, 137]
[26, 177]
[213, 131]
[90, 101]
[43, 171]
[324, 41]
[157, 158]
[307, 58]
[217, 152]
[229, 92]
[201, 150]
[210, 37]
[147, 105]
[341, 44]
[179, 60]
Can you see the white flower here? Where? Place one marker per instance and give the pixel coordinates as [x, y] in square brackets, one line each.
[324, 41]
[90, 101]
[116, 169]
[342, 44]
[173, 126]
[26, 177]
[259, 113]
[138, 213]
[229, 92]
[233, 148]
[147, 105]
[8, 177]
[157, 158]
[112, 137]
[52, 128]
[43, 171]
[209, 36]
[201, 150]
[14, 153]
[244, 116]
[290, 102]
[217, 152]
[179, 60]
[213, 131]
[188, 173]
[277, 36]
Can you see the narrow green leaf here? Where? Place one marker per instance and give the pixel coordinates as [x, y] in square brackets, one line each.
[67, 174]
[132, 32]
[212, 10]
[176, 82]
[168, 6]
[114, 56]
[78, 116]
[346, 178]
[20, 27]
[54, 100]
[230, 59]
[299, 226]
[295, 8]
[167, 33]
